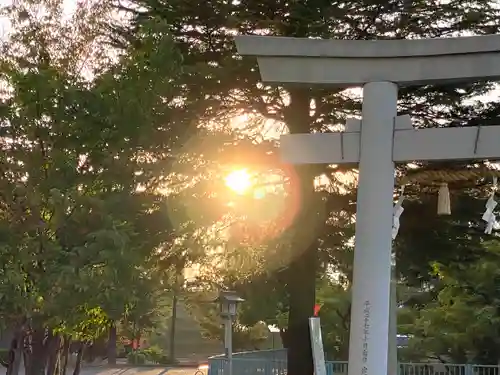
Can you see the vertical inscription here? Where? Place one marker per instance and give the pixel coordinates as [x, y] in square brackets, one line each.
[366, 335]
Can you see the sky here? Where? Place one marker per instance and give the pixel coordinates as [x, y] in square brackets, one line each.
[270, 129]
[69, 5]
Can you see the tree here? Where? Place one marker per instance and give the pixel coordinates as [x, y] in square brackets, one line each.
[221, 85]
[81, 220]
[462, 323]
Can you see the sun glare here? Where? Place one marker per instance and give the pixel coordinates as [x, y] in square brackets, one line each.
[239, 181]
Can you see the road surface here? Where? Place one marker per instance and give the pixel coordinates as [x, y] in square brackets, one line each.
[130, 371]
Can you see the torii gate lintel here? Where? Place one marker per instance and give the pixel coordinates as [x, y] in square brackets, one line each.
[409, 144]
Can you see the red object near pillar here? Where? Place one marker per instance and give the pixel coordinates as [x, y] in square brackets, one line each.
[317, 307]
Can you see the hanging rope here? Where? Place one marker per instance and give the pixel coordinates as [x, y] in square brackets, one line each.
[441, 178]
[445, 176]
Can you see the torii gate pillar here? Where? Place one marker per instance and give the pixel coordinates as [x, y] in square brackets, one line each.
[372, 254]
[376, 143]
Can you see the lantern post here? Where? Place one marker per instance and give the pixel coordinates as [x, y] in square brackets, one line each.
[228, 303]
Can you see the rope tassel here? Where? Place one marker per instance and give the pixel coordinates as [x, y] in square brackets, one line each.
[444, 205]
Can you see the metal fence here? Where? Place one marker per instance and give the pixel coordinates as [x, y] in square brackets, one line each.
[273, 362]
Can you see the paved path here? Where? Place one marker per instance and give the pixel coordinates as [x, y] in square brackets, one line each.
[130, 371]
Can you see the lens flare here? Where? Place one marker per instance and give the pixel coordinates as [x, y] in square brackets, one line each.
[239, 181]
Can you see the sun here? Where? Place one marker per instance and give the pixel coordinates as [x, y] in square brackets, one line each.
[239, 181]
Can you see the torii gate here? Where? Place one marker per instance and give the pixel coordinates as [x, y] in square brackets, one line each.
[376, 142]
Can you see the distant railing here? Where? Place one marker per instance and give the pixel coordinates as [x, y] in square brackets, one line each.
[260, 354]
[273, 362]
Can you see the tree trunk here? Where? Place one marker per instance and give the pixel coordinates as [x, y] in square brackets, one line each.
[66, 346]
[60, 356]
[302, 297]
[78, 364]
[27, 354]
[302, 289]
[138, 337]
[16, 352]
[40, 343]
[135, 343]
[112, 344]
[284, 337]
[173, 321]
[53, 348]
